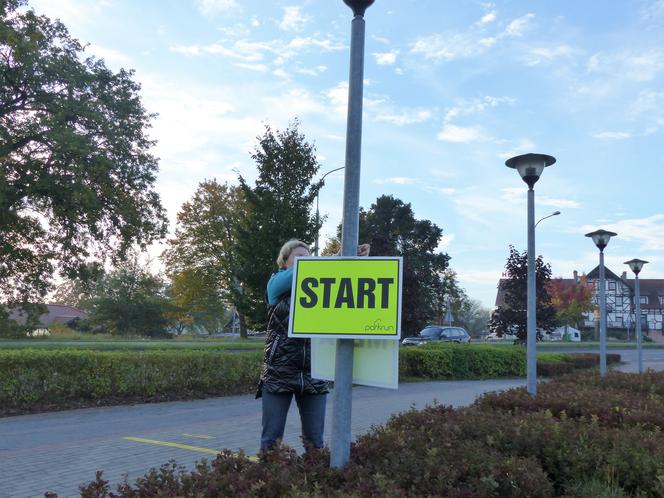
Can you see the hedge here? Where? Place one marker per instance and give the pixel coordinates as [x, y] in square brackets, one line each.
[29, 378]
[558, 443]
[37, 380]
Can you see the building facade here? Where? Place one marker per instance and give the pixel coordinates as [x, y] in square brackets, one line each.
[620, 305]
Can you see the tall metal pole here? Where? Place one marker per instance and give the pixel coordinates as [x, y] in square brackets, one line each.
[639, 336]
[531, 338]
[343, 374]
[602, 317]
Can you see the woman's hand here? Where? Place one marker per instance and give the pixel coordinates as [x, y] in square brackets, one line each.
[363, 249]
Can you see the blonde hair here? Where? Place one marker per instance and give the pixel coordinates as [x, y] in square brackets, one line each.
[287, 249]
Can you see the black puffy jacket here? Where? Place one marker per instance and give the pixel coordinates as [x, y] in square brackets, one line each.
[287, 361]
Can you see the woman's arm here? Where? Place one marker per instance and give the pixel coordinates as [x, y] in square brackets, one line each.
[280, 283]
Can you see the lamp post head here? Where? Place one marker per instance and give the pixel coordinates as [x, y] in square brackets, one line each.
[601, 238]
[530, 166]
[359, 6]
[555, 213]
[635, 265]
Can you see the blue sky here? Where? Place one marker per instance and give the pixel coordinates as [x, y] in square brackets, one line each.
[452, 89]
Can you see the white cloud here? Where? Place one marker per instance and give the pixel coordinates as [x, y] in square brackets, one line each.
[396, 180]
[444, 47]
[261, 68]
[405, 117]
[386, 58]
[488, 18]
[337, 98]
[475, 106]
[518, 27]
[450, 47]
[612, 135]
[445, 242]
[540, 55]
[113, 58]
[380, 39]
[312, 71]
[293, 19]
[523, 146]
[479, 276]
[543, 200]
[254, 52]
[213, 7]
[631, 65]
[461, 134]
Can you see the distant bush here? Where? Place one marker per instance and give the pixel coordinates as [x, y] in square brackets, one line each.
[581, 436]
[460, 361]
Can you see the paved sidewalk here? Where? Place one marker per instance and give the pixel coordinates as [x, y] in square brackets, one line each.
[59, 451]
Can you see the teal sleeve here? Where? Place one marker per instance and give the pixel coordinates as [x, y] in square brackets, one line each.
[280, 283]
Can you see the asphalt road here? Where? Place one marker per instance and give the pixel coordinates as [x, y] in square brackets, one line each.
[59, 451]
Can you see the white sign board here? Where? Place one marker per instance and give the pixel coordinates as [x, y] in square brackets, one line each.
[375, 361]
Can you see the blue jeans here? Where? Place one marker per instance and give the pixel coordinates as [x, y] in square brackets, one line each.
[275, 410]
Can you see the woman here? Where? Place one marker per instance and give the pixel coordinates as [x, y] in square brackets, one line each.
[287, 361]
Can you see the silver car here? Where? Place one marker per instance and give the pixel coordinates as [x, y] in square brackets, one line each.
[438, 333]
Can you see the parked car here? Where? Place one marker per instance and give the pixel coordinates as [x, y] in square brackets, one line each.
[438, 333]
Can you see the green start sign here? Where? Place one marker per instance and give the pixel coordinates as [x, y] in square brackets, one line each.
[346, 297]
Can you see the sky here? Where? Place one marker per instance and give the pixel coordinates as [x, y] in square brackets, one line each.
[452, 89]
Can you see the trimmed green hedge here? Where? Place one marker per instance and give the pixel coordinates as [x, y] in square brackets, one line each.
[465, 361]
[37, 380]
[461, 361]
[29, 378]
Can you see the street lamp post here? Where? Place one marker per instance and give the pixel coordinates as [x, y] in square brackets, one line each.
[343, 371]
[636, 265]
[317, 213]
[601, 239]
[530, 167]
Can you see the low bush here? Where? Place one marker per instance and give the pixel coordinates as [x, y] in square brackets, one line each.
[500, 447]
[37, 379]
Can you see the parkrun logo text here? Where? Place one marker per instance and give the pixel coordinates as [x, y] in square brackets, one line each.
[377, 326]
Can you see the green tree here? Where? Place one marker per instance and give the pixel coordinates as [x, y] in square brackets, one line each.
[511, 316]
[279, 208]
[391, 228]
[130, 300]
[76, 175]
[202, 260]
[471, 315]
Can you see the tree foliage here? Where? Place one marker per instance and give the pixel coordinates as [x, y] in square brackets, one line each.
[131, 300]
[471, 315]
[511, 316]
[571, 300]
[391, 228]
[279, 208]
[201, 260]
[76, 175]
[196, 300]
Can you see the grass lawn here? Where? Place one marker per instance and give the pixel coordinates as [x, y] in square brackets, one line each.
[107, 343]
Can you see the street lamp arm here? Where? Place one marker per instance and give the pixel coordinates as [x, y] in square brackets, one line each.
[331, 171]
[556, 213]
